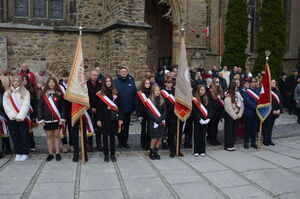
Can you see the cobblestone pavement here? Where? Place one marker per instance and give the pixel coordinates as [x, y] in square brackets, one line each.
[272, 172]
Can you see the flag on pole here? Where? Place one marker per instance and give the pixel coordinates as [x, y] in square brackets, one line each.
[183, 91]
[77, 91]
[264, 106]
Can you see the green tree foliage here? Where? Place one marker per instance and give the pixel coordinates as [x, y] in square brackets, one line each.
[236, 34]
[271, 37]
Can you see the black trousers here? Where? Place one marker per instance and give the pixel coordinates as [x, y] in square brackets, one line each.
[74, 133]
[212, 132]
[98, 133]
[64, 140]
[6, 144]
[111, 147]
[230, 131]
[145, 139]
[291, 103]
[251, 127]
[172, 135]
[19, 132]
[268, 129]
[199, 136]
[31, 140]
[298, 113]
[123, 135]
[188, 131]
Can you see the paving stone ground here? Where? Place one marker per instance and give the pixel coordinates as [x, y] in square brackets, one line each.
[271, 172]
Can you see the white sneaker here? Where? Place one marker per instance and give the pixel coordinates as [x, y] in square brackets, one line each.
[18, 157]
[202, 154]
[233, 148]
[23, 158]
[196, 154]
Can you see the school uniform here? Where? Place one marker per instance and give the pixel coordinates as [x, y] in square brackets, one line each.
[200, 112]
[110, 124]
[141, 112]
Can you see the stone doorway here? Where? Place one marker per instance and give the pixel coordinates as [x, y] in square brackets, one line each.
[159, 38]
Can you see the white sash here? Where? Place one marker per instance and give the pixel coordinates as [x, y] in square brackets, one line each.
[252, 94]
[154, 110]
[170, 97]
[201, 107]
[276, 97]
[108, 102]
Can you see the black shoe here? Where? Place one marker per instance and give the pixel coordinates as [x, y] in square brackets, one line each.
[126, 146]
[271, 143]
[49, 158]
[213, 143]
[58, 157]
[156, 155]
[1, 155]
[246, 145]
[164, 146]
[86, 158]
[106, 158]
[298, 121]
[113, 158]
[172, 154]
[218, 143]
[253, 145]
[266, 143]
[180, 154]
[119, 145]
[151, 154]
[187, 146]
[75, 158]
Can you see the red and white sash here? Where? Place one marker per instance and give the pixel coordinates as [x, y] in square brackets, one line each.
[54, 110]
[142, 97]
[276, 97]
[108, 102]
[252, 94]
[220, 100]
[201, 107]
[17, 107]
[168, 96]
[62, 89]
[90, 128]
[3, 127]
[154, 110]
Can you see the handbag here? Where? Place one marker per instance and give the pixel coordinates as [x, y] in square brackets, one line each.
[114, 115]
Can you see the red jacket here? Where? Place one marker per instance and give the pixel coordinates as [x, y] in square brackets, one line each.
[31, 77]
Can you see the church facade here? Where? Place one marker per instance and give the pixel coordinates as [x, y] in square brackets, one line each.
[141, 34]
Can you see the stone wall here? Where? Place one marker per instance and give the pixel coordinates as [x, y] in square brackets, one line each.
[3, 52]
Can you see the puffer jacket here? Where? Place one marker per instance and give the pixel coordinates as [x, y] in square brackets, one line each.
[23, 102]
[44, 113]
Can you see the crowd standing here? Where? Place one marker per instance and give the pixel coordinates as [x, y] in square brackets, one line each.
[220, 96]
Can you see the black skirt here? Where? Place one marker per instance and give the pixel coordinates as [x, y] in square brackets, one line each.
[158, 132]
[51, 126]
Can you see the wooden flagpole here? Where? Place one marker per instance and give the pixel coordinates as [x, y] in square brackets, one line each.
[177, 138]
[259, 135]
[82, 140]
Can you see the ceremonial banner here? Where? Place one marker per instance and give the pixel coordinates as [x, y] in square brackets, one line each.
[183, 91]
[77, 91]
[264, 106]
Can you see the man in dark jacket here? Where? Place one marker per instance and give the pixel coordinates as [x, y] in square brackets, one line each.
[127, 90]
[282, 83]
[292, 82]
[93, 87]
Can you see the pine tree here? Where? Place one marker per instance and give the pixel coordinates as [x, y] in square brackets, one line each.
[236, 34]
[271, 37]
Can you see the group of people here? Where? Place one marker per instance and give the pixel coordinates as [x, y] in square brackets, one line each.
[30, 100]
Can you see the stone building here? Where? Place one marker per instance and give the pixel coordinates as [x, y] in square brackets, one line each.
[141, 34]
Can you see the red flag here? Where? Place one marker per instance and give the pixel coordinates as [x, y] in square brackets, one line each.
[77, 92]
[183, 91]
[264, 106]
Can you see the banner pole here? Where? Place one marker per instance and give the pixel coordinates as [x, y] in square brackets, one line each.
[177, 138]
[82, 140]
[259, 135]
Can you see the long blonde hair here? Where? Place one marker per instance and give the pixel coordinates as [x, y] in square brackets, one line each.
[161, 99]
[22, 89]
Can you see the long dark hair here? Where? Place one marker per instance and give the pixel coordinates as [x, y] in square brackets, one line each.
[204, 100]
[57, 91]
[104, 88]
[143, 88]
[2, 89]
[29, 85]
[232, 90]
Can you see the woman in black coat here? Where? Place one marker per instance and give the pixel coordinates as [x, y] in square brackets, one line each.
[216, 97]
[156, 121]
[141, 112]
[275, 113]
[201, 114]
[109, 116]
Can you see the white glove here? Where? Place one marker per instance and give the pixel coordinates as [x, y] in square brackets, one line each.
[155, 125]
[207, 121]
[140, 119]
[202, 121]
